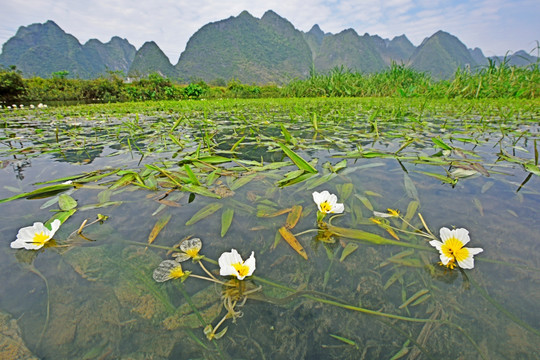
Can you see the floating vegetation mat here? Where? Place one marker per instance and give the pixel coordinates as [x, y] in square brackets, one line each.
[271, 229]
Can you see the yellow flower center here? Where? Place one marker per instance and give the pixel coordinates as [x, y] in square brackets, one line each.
[176, 272]
[40, 239]
[242, 269]
[325, 207]
[192, 252]
[453, 249]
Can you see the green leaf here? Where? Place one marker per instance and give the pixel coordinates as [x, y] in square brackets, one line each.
[301, 163]
[66, 202]
[201, 190]
[226, 220]
[61, 215]
[191, 175]
[41, 192]
[345, 340]
[439, 143]
[348, 250]
[204, 213]
[242, 181]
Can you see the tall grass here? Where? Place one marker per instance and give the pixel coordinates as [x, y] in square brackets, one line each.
[492, 81]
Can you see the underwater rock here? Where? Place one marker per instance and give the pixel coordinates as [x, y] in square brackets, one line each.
[11, 343]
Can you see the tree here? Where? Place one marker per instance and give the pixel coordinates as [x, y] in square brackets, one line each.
[12, 86]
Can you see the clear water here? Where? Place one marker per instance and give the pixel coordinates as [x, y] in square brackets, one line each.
[103, 303]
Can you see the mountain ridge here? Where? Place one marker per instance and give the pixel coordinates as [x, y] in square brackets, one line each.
[243, 47]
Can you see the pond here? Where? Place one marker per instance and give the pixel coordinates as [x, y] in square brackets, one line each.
[134, 185]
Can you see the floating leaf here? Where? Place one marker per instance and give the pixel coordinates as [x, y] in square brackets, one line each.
[66, 202]
[348, 250]
[438, 142]
[61, 215]
[301, 163]
[292, 241]
[160, 224]
[200, 190]
[191, 175]
[226, 220]
[204, 212]
[100, 205]
[293, 217]
[41, 192]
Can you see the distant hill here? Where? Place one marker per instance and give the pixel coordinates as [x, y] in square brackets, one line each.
[441, 55]
[41, 49]
[262, 50]
[150, 59]
[243, 47]
[519, 58]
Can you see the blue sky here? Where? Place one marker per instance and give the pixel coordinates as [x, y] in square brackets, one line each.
[495, 26]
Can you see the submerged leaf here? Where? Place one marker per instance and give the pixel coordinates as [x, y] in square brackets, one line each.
[204, 212]
[160, 224]
[292, 241]
[348, 250]
[226, 220]
[293, 217]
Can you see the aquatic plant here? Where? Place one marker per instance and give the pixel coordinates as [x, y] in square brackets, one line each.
[36, 236]
[231, 263]
[452, 248]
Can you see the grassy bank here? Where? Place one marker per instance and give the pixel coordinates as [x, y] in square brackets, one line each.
[492, 81]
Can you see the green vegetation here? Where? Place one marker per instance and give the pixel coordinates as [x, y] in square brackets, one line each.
[493, 81]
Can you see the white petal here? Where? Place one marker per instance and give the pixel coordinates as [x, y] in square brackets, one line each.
[474, 251]
[250, 263]
[17, 244]
[436, 244]
[338, 208]
[444, 259]
[55, 225]
[40, 228]
[467, 263]
[445, 234]
[228, 270]
[226, 260]
[317, 197]
[462, 235]
[332, 199]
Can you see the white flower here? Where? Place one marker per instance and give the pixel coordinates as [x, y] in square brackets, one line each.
[327, 203]
[231, 263]
[452, 248]
[35, 236]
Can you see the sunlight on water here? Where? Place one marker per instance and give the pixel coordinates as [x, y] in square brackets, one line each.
[92, 296]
